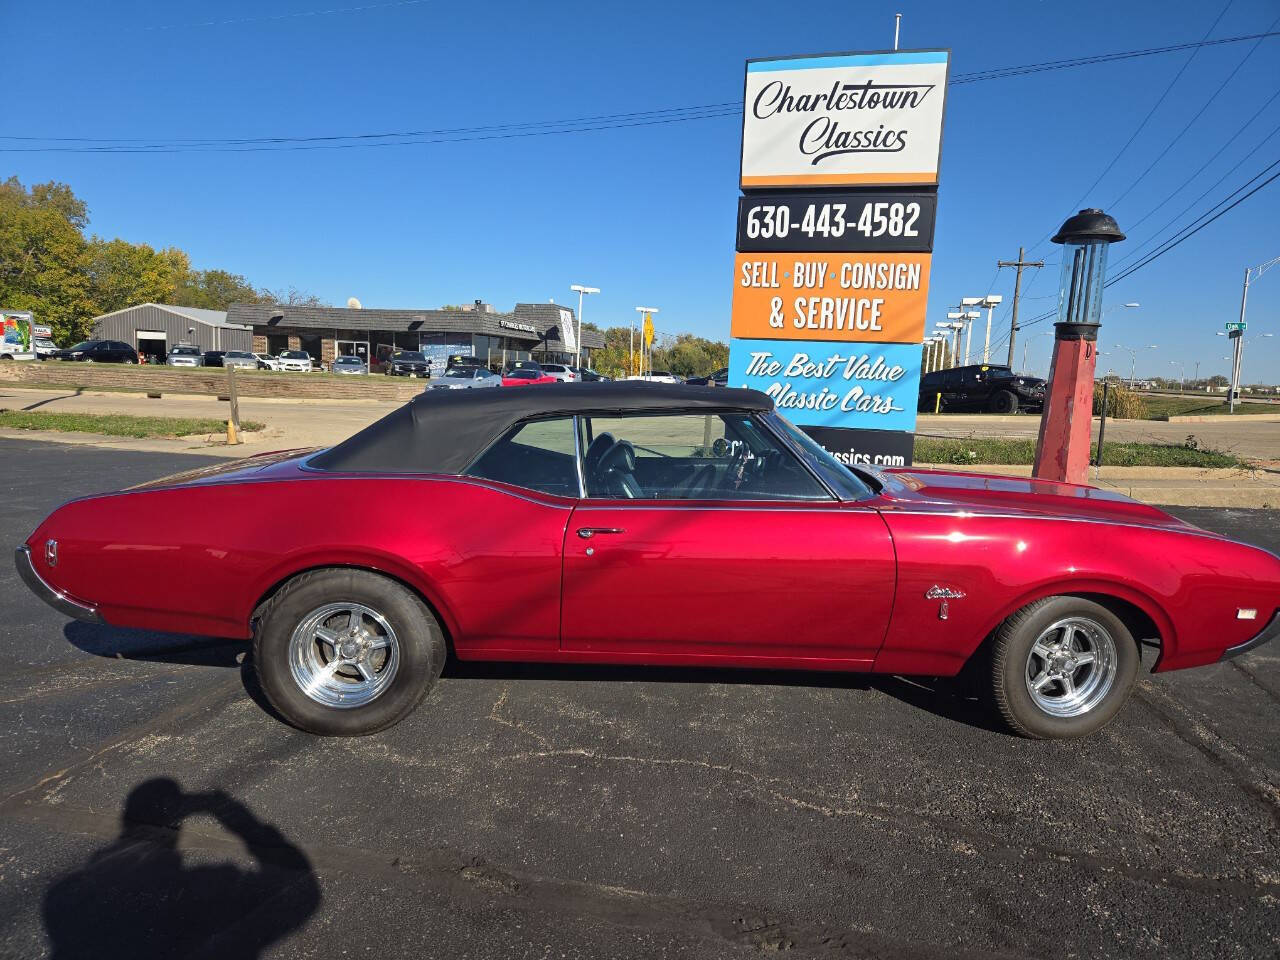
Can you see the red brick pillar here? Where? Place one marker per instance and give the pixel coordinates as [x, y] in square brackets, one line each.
[1062, 452]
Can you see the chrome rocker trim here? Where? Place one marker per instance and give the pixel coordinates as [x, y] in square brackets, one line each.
[1269, 632]
[54, 598]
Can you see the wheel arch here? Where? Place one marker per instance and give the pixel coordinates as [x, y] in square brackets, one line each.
[386, 567]
[1145, 619]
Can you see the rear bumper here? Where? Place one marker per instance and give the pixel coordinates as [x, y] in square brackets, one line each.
[1269, 632]
[59, 601]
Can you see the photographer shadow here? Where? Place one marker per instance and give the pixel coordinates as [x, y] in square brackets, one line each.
[138, 898]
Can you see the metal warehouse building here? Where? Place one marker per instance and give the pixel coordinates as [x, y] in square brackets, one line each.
[539, 331]
[153, 328]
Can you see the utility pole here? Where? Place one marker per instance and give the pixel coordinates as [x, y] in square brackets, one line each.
[1020, 264]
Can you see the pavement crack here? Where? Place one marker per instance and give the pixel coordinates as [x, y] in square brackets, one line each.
[1256, 783]
[984, 842]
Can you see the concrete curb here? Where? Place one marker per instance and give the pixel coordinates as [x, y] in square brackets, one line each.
[1227, 418]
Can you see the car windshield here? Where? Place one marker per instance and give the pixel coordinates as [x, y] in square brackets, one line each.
[836, 475]
[523, 375]
[412, 356]
[186, 351]
[349, 360]
[295, 355]
[86, 344]
[238, 355]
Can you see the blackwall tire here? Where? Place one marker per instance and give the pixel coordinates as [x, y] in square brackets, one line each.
[361, 680]
[1004, 401]
[1044, 685]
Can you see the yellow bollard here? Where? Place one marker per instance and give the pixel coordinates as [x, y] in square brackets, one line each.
[937, 403]
[232, 436]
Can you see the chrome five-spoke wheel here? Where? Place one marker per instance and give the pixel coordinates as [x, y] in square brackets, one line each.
[344, 654]
[1071, 667]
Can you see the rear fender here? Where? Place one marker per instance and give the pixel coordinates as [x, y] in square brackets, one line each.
[350, 558]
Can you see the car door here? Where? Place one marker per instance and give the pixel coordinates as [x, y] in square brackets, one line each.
[702, 567]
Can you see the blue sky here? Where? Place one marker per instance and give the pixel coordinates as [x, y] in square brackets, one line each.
[646, 213]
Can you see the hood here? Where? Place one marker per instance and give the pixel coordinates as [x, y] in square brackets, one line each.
[258, 467]
[945, 492]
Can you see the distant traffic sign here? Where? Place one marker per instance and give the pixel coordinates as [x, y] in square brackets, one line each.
[1237, 325]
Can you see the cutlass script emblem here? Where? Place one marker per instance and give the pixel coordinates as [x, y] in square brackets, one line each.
[51, 552]
[944, 594]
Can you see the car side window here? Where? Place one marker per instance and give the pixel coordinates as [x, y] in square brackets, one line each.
[538, 455]
[691, 457]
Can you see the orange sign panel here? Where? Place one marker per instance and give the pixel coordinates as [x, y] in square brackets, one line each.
[867, 297]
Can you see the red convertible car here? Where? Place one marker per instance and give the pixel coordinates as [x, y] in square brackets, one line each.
[525, 376]
[526, 521]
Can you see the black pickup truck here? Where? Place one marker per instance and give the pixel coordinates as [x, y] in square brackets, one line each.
[981, 386]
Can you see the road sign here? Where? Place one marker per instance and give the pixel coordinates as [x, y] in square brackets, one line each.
[648, 330]
[1237, 325]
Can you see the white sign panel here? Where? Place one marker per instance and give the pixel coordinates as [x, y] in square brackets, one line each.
[568, 335]
[867, 119]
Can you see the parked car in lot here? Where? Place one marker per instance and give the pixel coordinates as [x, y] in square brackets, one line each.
[657, 376]
[294, 361]
[559, 371]
[524, 377]
[266, 361]
[44, 348]
[460, 361]
[466, 378]
[757, 549]
[241, 359]
[98, 351]
[185, 355]
[213, 358]
[587, 375]
[718, 379]
[349, 365]
[408, 363]
[981, 386]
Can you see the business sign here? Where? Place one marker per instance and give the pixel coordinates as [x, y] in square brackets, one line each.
[872, 448]
[851, 385]
[856, 297]
[864, 119]
[824, 222]
[568, 336]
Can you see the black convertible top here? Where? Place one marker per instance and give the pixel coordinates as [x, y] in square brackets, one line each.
[443, 431]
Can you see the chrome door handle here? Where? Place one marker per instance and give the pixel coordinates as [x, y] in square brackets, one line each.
[586, 533]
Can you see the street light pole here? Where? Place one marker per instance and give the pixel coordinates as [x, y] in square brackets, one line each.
[1250, 274]
[581, 291]
[991, 301]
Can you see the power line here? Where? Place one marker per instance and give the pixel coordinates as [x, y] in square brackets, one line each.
[1190, 123]
[287, 16]
[1170, 244]
[1187, 232]
[526, 129]
[1150, 113]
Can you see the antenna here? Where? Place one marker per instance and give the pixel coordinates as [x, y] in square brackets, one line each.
[897, 25]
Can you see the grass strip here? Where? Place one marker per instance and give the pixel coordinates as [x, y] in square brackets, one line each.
[117, 424]
[1022, 452]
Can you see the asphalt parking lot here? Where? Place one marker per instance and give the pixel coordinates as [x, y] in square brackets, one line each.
[152, 807]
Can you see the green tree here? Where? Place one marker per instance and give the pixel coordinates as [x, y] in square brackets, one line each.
[123, 274]
[214, 290]
[42, 256]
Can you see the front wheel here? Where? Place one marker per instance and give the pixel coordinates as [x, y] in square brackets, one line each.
[1004, 401]
[343, 652]
[1062, 667]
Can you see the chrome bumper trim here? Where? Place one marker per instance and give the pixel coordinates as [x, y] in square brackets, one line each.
[1269, 632]
[54, 598]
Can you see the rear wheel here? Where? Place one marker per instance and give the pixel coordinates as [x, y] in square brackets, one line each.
[1004, 401]
[1062, 667]
[343, 652]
